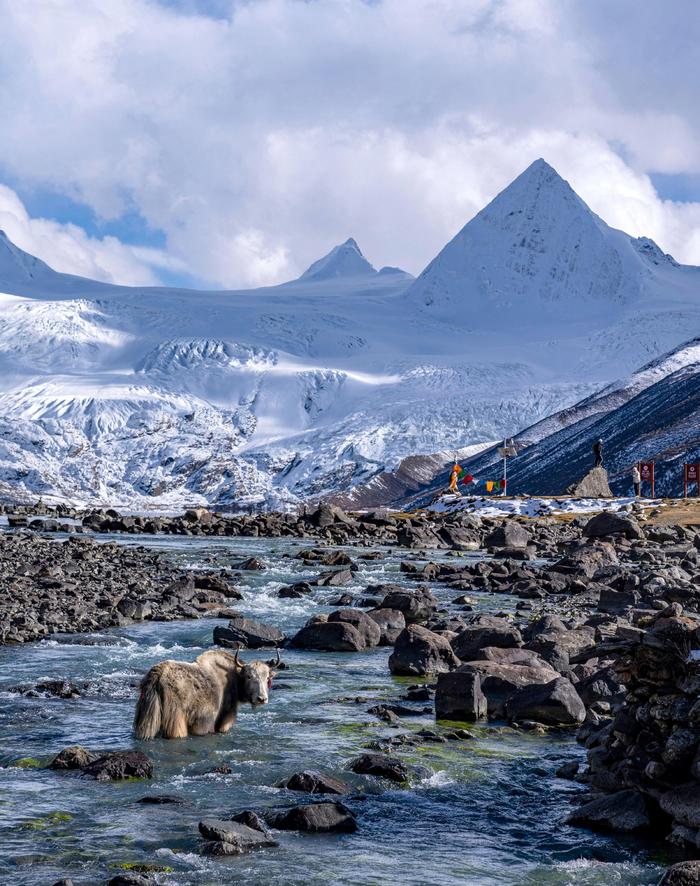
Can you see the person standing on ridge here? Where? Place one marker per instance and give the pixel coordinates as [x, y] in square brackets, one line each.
[636, 481]
[598, 453]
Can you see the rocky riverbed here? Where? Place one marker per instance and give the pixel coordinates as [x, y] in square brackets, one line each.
[446, 631]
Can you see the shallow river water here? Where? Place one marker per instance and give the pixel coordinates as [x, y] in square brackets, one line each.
[490, 813]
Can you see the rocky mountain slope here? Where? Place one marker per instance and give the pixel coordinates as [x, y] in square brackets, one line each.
[149, 397]
[654, 414]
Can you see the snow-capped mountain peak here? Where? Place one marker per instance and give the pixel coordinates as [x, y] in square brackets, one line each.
[344, 260]
[536, 254]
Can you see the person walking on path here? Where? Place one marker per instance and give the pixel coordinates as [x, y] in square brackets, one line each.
[637, 481]
[598, 453]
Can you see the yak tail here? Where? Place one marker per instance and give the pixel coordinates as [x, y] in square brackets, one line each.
[149, 712]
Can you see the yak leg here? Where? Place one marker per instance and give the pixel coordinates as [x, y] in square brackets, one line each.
[229, 707]
[174, 725]
[202, 726]
[226, 721]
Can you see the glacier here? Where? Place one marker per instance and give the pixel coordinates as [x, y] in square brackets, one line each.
[149, 397]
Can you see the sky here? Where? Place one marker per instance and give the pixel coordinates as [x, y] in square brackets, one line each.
[230, 143]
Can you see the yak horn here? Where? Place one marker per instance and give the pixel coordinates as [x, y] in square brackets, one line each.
[236, 660]
[274, 664]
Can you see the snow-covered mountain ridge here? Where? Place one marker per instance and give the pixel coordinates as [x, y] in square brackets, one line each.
[158, 397]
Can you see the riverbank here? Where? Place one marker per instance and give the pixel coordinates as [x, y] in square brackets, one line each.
[515, 628]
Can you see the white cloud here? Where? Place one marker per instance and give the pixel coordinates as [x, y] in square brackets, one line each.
[260, 134]
[67, 248]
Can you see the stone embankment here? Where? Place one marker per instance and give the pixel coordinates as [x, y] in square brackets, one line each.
[54, 587]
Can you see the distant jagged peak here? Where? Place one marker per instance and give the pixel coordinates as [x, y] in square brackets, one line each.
[344, 260]
[650, 250]
[18, 266]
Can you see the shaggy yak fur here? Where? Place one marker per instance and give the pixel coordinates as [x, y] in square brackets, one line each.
[180, 698]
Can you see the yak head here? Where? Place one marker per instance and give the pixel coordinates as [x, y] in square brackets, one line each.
[255, 680]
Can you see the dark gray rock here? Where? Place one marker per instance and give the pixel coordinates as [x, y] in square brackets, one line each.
[380, 765]
[416, 606]
[316, 818]
[593, 485]
[366, 627]
[682, 803]
[118, 765]
[249, 633]
[459, 697]
[236, 837]
[685, 873]
[482, 631]
[418, 652]
[391, 622]
[312, 782]
[329, 636]
[74, 757]
[500, 681]
[554, 704]
[508, 535]
[612, 523]
[623, 811]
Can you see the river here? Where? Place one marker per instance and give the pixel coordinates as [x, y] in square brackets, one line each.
[490, 812]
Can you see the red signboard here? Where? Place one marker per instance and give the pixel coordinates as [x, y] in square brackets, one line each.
[691, 475]
[646, 471]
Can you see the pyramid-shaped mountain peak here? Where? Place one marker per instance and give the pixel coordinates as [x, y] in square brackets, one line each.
[535, 252]
[344, 260]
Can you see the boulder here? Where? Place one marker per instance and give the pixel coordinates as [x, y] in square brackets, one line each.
[368, 629]
[617, 602]
[329, 636]
[208, 581]
[326, 515]
[74, 757]
[482, 631]
[334, 578]
[390, 622]
[459, 696]
[685, 873]
[416, 605]
[508, 535]
[555, 704]
[511, 656]
[602, 685]
[418, 652]
[586, 558]
[593, 485]
[381, 765]
[682, 803]
[316, 818]
[623, 811]
[117, 765]
[252, 564]
[312, 782]
[236, 838]
[295, 591]
[249, 633]
[612, 523]
[500, 681]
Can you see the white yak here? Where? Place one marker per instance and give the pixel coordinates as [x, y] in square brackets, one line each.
[180, 698]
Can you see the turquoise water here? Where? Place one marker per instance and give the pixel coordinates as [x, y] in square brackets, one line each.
[490, 812]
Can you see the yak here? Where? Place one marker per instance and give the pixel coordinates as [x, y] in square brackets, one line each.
[180, 698]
